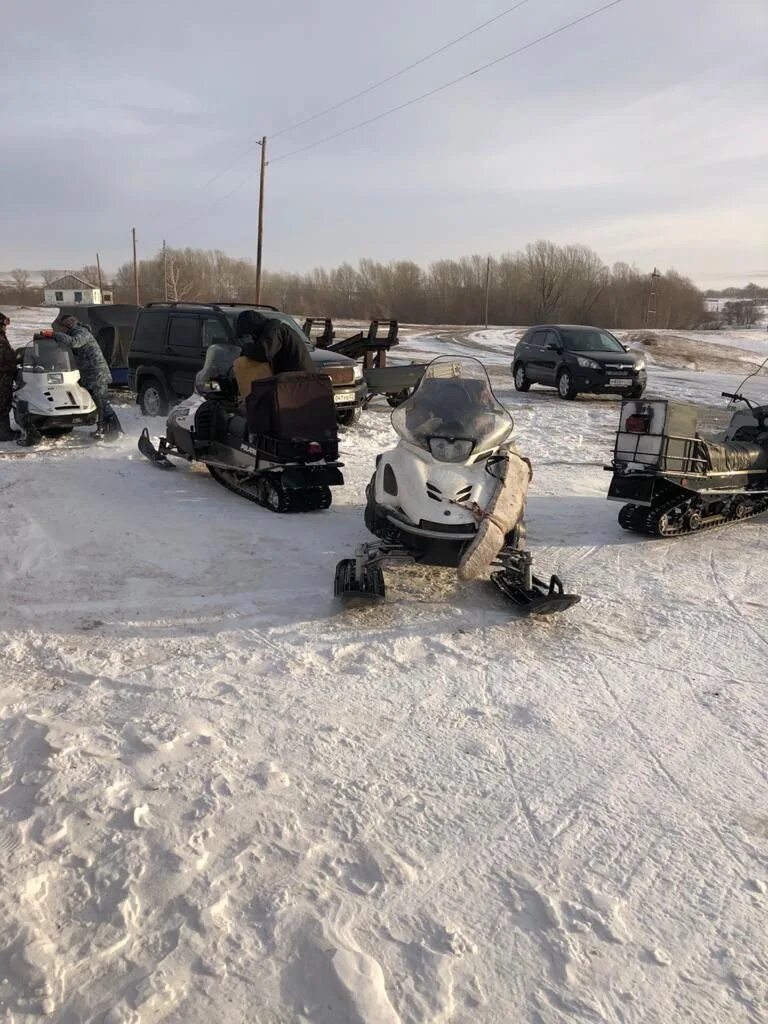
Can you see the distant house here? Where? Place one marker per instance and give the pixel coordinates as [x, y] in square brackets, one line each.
[71, 290]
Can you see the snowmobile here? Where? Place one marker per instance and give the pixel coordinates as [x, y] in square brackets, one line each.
[432, 497]
[281, 451]
[675, 482]
[48, 398]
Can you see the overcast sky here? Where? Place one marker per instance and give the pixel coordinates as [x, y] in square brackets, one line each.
[641, 132]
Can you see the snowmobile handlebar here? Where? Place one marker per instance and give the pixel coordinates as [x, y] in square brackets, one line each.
[756, 410]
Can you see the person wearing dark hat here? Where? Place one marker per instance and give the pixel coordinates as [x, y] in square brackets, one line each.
[95, 374]
[275, 342]
[8, 362]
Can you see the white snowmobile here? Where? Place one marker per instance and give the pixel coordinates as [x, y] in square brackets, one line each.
[452, 493]
[48, 398]
[281, 451]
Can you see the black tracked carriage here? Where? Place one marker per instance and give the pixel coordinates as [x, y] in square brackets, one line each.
[281, 451]
[674, 482]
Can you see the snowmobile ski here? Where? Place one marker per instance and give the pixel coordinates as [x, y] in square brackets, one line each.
[540, 599]
[148, 450]
[357, 584]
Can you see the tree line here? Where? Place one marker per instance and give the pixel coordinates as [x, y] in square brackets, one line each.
[749, 291]
[543, 282]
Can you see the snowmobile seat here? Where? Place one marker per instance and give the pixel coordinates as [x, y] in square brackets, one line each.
[733, 456]
[290, 408]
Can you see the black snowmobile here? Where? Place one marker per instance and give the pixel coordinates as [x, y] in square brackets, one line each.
[676, 482]
[282, 451]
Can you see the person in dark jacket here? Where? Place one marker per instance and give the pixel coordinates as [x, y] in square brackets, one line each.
[8, 362]
[275, 342]
[95, 374]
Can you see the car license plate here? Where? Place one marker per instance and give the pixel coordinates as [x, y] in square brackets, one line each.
[619, 382]
[343, 396]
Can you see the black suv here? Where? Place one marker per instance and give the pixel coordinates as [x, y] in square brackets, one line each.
[169, 343]
[574, 359]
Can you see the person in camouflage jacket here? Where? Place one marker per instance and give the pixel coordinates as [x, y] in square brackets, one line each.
[95, 374]
[7, 375]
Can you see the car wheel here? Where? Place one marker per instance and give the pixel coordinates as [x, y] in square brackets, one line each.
[565, 385]
[152, 399]
[349, 417]
[521, 381]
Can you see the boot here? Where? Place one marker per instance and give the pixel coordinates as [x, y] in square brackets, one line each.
[6, 431]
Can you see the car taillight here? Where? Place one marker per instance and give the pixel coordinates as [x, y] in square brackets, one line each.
[314, 450]
[638, 424]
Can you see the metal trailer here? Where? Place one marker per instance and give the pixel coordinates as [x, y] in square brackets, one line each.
[396, 383]
[367, 345]
[112, 327]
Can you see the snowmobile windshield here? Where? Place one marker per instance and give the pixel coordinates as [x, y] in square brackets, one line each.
[44, 355]
[219, 359]
[453, 413]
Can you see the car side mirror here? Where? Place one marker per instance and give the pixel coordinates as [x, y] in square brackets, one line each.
[554, 346]
[625, 347]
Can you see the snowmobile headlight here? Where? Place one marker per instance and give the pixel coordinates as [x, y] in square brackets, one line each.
[451, 449]
[588, 364]
[55, 378]
[357, 372]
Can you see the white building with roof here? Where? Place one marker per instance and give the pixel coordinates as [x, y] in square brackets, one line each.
[71, 290]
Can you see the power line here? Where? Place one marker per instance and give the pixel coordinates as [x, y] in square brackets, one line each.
[417, 99]
[234, 163]
[402, 71]
[454, 81]
[364, 92]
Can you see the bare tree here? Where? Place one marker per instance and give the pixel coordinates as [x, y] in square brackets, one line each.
[21, 279]
[178, 288]
[49, 276]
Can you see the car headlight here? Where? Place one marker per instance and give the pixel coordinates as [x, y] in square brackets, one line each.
[640, 364]
[451, 449]
[588, 364]
[358, 372]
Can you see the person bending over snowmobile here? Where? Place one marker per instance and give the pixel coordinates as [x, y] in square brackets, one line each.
[276, 342]
[95, 374]
[8, 362]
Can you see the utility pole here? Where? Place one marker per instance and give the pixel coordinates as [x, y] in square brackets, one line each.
[135, 268]
[165, 272]
[260, 236]
[652, 310]
[98, 274]
[487, 288]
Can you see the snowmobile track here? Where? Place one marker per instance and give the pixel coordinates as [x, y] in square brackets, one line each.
[312, 499]
[638, 520]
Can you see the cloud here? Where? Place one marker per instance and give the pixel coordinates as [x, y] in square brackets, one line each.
[640, 132]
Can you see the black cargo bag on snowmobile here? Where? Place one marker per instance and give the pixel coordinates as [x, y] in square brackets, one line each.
[287, 412]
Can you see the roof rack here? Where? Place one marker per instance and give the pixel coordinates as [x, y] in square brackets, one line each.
[213, 305]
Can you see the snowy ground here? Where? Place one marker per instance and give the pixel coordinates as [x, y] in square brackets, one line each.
[223, 799]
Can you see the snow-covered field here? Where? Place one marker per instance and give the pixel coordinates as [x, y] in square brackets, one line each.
[224, 799]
